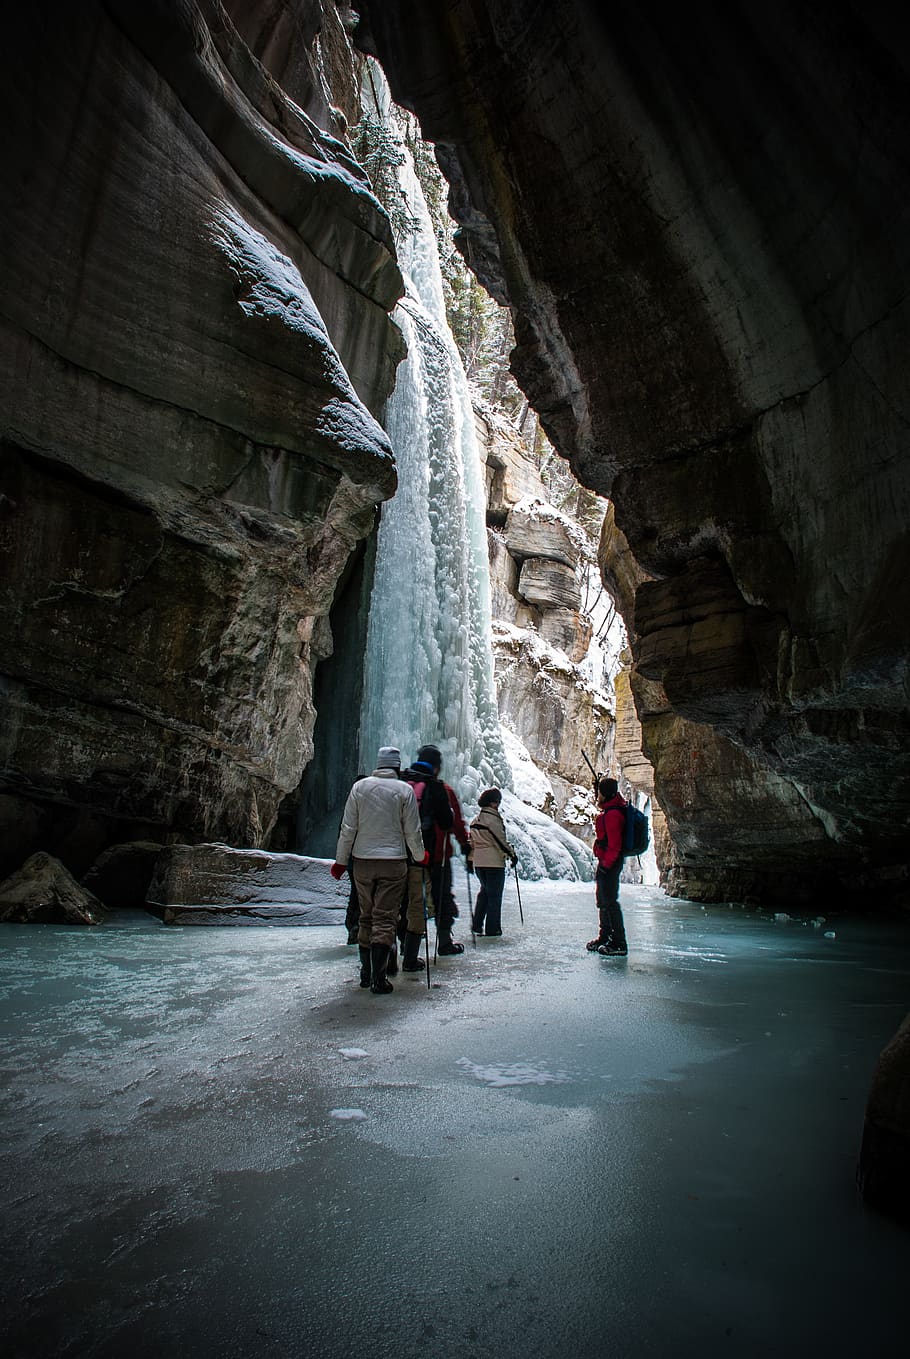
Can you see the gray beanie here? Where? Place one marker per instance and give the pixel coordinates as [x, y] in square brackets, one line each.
[389, 757]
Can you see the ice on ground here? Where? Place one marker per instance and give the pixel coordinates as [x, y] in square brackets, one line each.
[518, 1073]
[350, 1054]
[348, 1115]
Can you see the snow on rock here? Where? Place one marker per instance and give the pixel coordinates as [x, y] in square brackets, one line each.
[209, 884]
[544, 848]
[529, 781]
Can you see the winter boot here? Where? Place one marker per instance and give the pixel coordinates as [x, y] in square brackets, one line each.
[604, 936]
[379, 959]
[447, 947]
[365, 968]
[613, 951]
[392, 969]
[411, 960]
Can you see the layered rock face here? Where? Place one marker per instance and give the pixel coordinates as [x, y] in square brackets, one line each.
[541, 633]
[195, 342]
[699, 218]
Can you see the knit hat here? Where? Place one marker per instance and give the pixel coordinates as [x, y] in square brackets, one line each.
[389, 757]
[490, 797]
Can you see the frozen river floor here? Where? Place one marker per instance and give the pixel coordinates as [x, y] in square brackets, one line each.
[551, 1154]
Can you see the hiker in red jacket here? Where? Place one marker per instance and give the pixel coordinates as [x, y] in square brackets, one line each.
[441, 818]
[609, 829]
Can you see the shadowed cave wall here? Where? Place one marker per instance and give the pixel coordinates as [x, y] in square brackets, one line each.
[699, 219]
[698, 215]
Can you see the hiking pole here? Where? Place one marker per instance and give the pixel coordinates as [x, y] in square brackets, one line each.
[591, 767]
[467, 869]
[426, 919]
[518, 890]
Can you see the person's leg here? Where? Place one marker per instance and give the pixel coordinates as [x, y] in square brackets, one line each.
[616, 943]
[352, 914]
[418, 888]
[602, 890]
[446, 911]
[363, 881]
[496, 881]
[363, 886]
[390, 881]
[480, 908]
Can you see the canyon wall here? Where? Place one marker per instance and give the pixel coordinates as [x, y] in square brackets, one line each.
[195, 345]
[553, 689]
[698, 216]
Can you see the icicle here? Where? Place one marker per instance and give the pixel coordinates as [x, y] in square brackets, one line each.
[429, 670]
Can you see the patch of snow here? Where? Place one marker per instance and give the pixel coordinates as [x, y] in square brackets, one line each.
[530, 783]
[518, 1073]
[350, 1054]
[348, 1115]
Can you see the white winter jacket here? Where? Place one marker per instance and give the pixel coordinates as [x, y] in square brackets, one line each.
[380, 820]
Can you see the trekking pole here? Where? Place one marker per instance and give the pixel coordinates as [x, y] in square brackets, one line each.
[518, 890]
[591, 767]
[426, 919]
[470, 905]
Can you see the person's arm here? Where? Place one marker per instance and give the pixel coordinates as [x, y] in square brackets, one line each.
[458, 825]
[615, 825]
[348, 832]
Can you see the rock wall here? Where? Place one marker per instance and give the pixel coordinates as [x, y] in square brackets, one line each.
[541, 634]
[195, 342]
[699, 218]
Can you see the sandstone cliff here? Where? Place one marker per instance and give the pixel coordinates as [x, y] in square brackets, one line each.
[195, 343]
[699, 219]
[553, 687]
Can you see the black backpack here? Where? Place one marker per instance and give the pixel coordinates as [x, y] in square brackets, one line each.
[637, 835]
[433, 806]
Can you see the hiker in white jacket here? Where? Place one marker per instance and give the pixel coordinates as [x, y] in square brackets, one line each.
[380, 827]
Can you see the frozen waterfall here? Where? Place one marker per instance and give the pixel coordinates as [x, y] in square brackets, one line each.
[428, 672]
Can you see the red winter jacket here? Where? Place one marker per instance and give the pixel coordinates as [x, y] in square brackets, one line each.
[610, 830]
[459, 830]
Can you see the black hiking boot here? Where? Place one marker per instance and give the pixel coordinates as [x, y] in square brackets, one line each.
[392, 967]
[613, 951]
[365, 969]
[379, 958]
[410, 962]
[603, 938]
[447, 947]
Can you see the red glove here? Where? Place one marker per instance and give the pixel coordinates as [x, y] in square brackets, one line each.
[425, 861]
[338, 871]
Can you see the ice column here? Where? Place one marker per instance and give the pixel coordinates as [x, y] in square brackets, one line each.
[428, 666]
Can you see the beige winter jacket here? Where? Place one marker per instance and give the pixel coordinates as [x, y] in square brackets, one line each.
[380, 820]
[485, 830]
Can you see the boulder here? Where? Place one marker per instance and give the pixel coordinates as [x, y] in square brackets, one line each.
[212, 884]
[43, 892]
[549, 584]
[533, 533]
[883, 1174]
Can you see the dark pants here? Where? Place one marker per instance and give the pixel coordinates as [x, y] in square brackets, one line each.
[441, 884]
[352, 914]
[607, 888]
[489, 899]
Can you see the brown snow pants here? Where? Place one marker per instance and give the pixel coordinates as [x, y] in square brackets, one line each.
[380, 884]
[417, 878]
